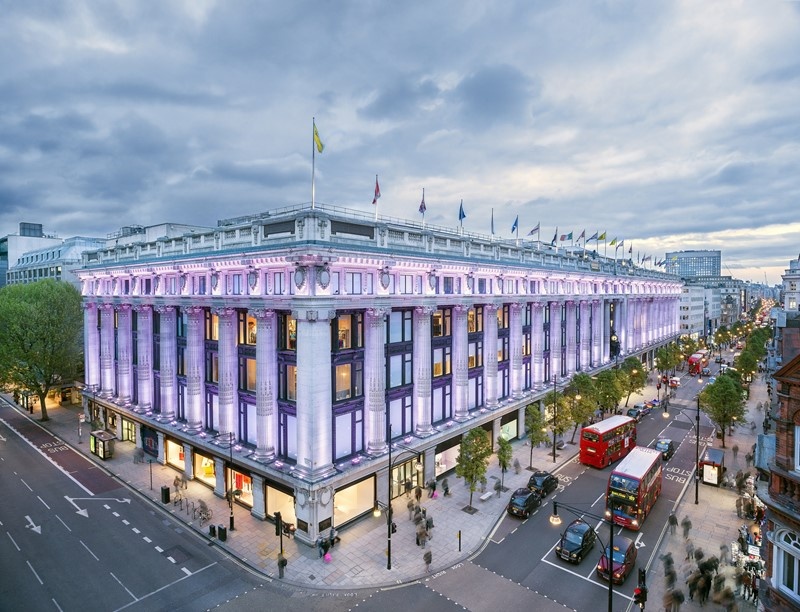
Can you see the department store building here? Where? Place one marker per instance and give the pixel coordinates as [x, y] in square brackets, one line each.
[276, 354]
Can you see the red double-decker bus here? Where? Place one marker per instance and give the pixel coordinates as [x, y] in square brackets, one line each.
[634, 487]
[606, 441]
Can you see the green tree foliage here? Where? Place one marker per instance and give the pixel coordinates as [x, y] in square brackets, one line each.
[535, 427]
[582, 396]
[609, 391]
[722, 402]
[556, 405]
[504, 454]
[41, 335]
[632, 377]
[473, 459]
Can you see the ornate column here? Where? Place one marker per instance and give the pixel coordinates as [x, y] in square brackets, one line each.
[91, 346]
[375, 379]
[422, 370]
[490, 355]
[124, 353]
[266, 383]
[460, 363]
[515, 346]
[228, 371]
[572, 347]
[144, 357]
[314, 392]
[598, 333]
[168, 355]
[195, 368]
[586, 335]
[107, 350]
[537, 345]
[555, 339]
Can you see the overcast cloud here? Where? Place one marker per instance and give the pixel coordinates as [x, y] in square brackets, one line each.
[672, 125]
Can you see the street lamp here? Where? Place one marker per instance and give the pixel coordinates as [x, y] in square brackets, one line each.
[556, 521]
[555, 413]
[376, 510]
[230, 492]
[665, 414]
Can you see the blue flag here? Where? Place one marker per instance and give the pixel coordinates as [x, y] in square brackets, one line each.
[516, 223]
[461, 214]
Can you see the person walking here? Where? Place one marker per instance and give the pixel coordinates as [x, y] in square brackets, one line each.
[739, 503]
[423, 535]
[686, 524]
[754, 582]
[724, 554]
[429, 526]
[735, 450]
[326, 546]
[410, 506]
[428, 559]
[409, 487]
[418, 493]
[746, 581]
[446, 488]
[673, 523]
[320, 548]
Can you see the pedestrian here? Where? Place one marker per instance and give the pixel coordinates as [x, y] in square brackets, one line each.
[703, 588]
[176, 483]
[333, 536]
[429, 486]
[498, 488]
[326, 546]
[749, 459]
[691, 582]
[739, 504]
[422, 535]
[668, 562]
[689, 547]
[698, 555]
[446, 488]
[738, 578]
[735, 450]
[427, 558]
[433, 488]
[724, 554]
[670, 578]
[517, 466]
[418, 493]
[418, 534]
[320, 547]
[417, 516]
[746, 581]
[686, 524]
[677, 599]
[409, 487]
[429, 527]
[673, 522]
[754, 586]
[410, 506]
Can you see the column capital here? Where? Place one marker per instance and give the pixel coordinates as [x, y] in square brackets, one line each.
[193, 309]
[262, 314]
[223, 311]
[164, 309]
[122, 307]
[424, 310]
[143, 308]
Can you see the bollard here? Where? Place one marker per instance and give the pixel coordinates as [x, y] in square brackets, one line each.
[212, 531]
[164, 495]
[222, 533]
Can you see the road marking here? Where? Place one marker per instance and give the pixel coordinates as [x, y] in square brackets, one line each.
[171, 560]
[26, 484]
[638, 543]
[90, 552]
[13, 542]
[55, 603]
[34, 572]
[44, 502]
[63, 523]
[135, 530]
[82, 511]
[146, 539]
[124, 587]
[186, 571]
[32, 526]
[159, 549]
[125, 522]
[168, 585]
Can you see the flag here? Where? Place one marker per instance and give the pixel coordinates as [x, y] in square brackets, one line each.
[621, 243]
[613, 242]
[566, 237]
[461, 214]
[583, 235]
[553, 241]
[377, 191]
[422, 207]
[602, 236]
[493, 222]
[592, 237]
[516, 225]
[317, 139]
[630, 250]
[534, 230]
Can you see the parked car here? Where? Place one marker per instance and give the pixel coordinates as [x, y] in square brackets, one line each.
[644, 408]
[576, 541]
[524, 501]
[667, 448]
[543, 482]
[623, 559]
[635, 413]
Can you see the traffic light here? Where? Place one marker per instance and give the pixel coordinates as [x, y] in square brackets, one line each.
[278, 524]
[394, 527]
[640, 596]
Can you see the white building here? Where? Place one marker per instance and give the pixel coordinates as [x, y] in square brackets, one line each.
[13, 246]
[56, 262]
[305, 335]
[692, 311]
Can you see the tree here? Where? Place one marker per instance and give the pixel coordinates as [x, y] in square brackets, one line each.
[560, 420]
[504, 454]
[473, 459]
[609, 391]
[535, 427]
[632, 377]
[582, 395]
[41, 334]
[722, 402]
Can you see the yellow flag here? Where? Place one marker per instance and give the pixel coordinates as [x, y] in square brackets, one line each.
[318, 140]
[613, 242]
[602, 236]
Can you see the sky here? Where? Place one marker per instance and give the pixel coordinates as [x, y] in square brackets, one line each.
[670, 125]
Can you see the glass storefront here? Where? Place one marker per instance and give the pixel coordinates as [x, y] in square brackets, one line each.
[405, 471]
[279, 500]
[205, 470]
[508, 426]
[243, 483]
[174, 454]
[354, 500]
[128, 430]
[446, 460]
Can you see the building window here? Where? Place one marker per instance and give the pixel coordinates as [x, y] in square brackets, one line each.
[212, 367]
[287, 382]
[400, 372]
[348, 331]
[441, 361]
[248, 329]
[475, 319]
[352, 283]
[247, 376]
[278, 285]
[440, 322]
[448, 284]
[348, 381]
[786, 562]
[288, 333]
[475, 354]
[797, 448]
[405, 284]
[398, 326]
[212, 326]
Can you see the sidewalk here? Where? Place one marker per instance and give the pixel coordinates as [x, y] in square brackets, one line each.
[714, 519]
[359, 560]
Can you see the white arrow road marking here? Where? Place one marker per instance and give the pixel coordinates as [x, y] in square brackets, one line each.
[638, 543]
[31, 526]
[81, 511]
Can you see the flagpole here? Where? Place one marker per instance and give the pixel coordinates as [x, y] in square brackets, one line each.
[313, 160]
[423, 209]
[376, 197]
[538, 234]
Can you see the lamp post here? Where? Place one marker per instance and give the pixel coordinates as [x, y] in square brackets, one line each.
[665, 414]
[556, 520]
[555, 413]
[229, 481]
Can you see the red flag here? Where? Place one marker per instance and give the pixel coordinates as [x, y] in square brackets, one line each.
[377, 191]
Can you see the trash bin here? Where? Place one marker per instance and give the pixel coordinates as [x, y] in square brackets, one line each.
[165, 495]
[222, 533]
[212, 531]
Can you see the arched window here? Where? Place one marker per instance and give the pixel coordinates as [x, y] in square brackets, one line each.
[786, 561]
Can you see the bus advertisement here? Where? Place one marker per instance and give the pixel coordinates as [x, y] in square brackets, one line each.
[634, 487]
[604, 442]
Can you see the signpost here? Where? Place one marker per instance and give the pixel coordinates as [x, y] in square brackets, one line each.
[81, 421]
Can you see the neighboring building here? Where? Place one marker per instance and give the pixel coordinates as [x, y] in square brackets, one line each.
[56, 262]
[781, 587]
[687, 264]
[692, 311]
[305, 336]
[791, 286]
[12, 247]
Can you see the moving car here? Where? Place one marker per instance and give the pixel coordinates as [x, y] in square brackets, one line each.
[524, 501]
[644, 408]
[635, 413]
[674, 382]
[667, 448]
[623, 560]
[576, 541]
[543, 482]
